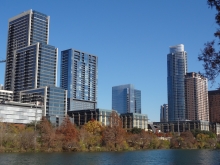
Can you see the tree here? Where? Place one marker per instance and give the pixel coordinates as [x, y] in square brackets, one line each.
[47, 134]
[69, 135]
[136, 130]
[113, 135]
[210, 56]
[94, 129]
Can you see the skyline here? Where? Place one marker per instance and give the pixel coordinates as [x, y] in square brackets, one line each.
[127, 35]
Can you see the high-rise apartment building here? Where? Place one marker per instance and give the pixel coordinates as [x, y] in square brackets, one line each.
[196, 97]
[176, 70]
[164, 113]
[214, 106]
[30, 61]
[31, 65]
[126, 99]
[79, 75]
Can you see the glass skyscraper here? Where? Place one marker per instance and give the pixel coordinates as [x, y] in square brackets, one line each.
[137, 101]
[176, 71]
[126, 99]
[30, 62]
[79, 75]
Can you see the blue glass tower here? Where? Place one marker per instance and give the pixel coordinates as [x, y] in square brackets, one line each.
[126, 99]
[79, 75]
[137, 101]
[176, 71]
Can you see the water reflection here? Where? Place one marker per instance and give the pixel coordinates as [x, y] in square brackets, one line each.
[161, 157]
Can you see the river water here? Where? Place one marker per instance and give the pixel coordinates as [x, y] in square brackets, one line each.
[148, 157]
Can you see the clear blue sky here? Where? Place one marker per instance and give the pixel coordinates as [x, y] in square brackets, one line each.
[130, 37]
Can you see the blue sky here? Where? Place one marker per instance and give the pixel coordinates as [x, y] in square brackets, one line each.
[130, 37]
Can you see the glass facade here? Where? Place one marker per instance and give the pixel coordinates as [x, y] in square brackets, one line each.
[35, 66]
[137, 99]
[79, 75]
[47, 66]
[53, 99]
[164, 113]
[24, 30]
[176, 70]
[126, 99]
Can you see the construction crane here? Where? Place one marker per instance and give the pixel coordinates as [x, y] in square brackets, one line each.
[2, 61]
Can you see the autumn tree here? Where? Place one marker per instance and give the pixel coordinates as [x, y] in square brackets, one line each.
[69, 135]
[188, 140]
[26, 140]
[113, 135]
[94, 129]
[209, 55]
[47, 134]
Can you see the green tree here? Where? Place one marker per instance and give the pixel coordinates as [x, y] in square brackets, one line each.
[209, 55]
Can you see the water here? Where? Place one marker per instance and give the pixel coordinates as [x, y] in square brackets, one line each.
[157, 157]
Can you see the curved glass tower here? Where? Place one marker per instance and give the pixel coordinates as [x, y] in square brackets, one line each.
[176, 71]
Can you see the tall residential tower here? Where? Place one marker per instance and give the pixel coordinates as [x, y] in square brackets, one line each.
[31, 64]
[79, 75]
[30, 61]
[196, 95]
[176, 69]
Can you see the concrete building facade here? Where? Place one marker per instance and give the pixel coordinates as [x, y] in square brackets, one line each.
[214, 105]
[21, 113]
[196, 97]
[6, 95]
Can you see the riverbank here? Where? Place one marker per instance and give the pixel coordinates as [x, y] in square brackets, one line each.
[44, 137]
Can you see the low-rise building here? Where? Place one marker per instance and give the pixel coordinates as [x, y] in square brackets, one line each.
[81, 117]
[182, 126]
[6, 95]
[52, 99]
[22, 113]
[134, 120]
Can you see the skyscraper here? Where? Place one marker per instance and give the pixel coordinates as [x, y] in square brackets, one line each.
[24, 30]
[176, 71]
[126, 99]
[137, 101]
[31, 65]
[30, 61]
[164, 113]
[79, 75]
[196, 92]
